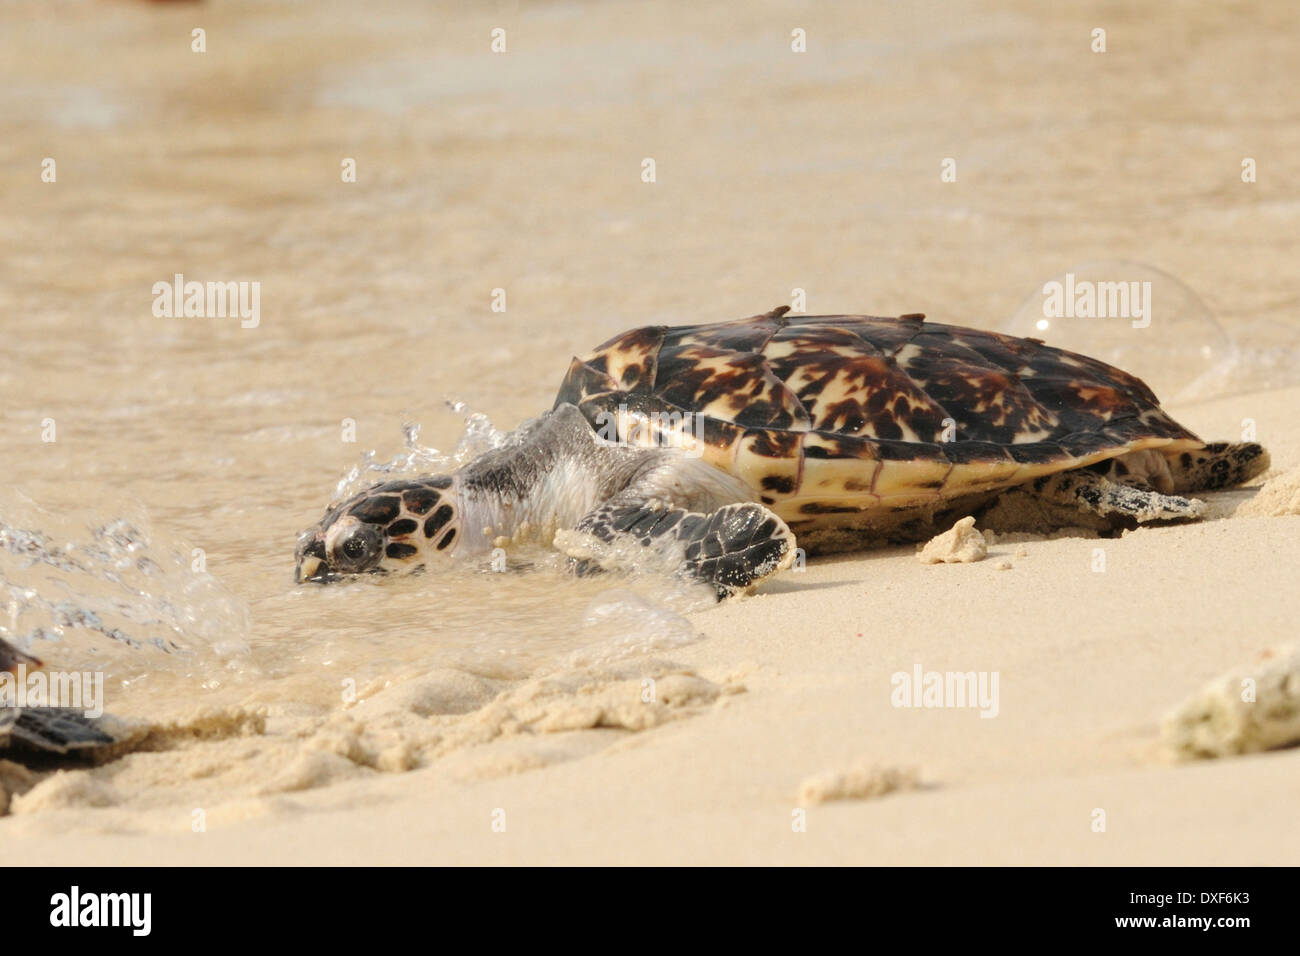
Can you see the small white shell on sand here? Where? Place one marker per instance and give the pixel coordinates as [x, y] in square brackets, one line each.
[1248, 709]
[960, 544]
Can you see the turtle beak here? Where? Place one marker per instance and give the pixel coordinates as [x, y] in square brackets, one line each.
[311, 560]
[309, 569]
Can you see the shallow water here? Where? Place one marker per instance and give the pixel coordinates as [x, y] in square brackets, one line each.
[522, 172]
[113, 595]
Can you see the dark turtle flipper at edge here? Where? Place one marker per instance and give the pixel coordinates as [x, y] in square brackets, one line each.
[11, 657]
[58, 730]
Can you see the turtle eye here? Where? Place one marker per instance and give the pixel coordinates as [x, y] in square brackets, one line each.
[358, 549]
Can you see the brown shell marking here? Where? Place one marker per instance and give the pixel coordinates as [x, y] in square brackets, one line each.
[737, 387]
[633, 364]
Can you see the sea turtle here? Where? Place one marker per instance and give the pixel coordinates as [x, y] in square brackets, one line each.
[51, 730]
[711, 447]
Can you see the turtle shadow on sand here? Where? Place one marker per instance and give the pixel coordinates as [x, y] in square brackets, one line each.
[1225, 504]
[788, 585]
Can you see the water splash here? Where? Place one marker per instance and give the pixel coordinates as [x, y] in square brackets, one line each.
[416, 459]
[479, 435]
[109, 594]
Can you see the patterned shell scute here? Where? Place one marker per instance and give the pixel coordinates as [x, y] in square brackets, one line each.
[877, 388]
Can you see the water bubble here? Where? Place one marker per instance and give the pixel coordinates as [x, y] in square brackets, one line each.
[1267, 357]
[1137, 318]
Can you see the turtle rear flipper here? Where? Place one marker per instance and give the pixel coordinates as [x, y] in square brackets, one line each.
[1217, 465]
[730, 549]
[59, 730]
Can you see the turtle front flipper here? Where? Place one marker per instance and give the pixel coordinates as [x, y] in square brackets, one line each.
[730, 549]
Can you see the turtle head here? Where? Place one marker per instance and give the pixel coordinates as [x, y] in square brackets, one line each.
[398, 526]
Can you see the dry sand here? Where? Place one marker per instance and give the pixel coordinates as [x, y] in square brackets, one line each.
[763, 730]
